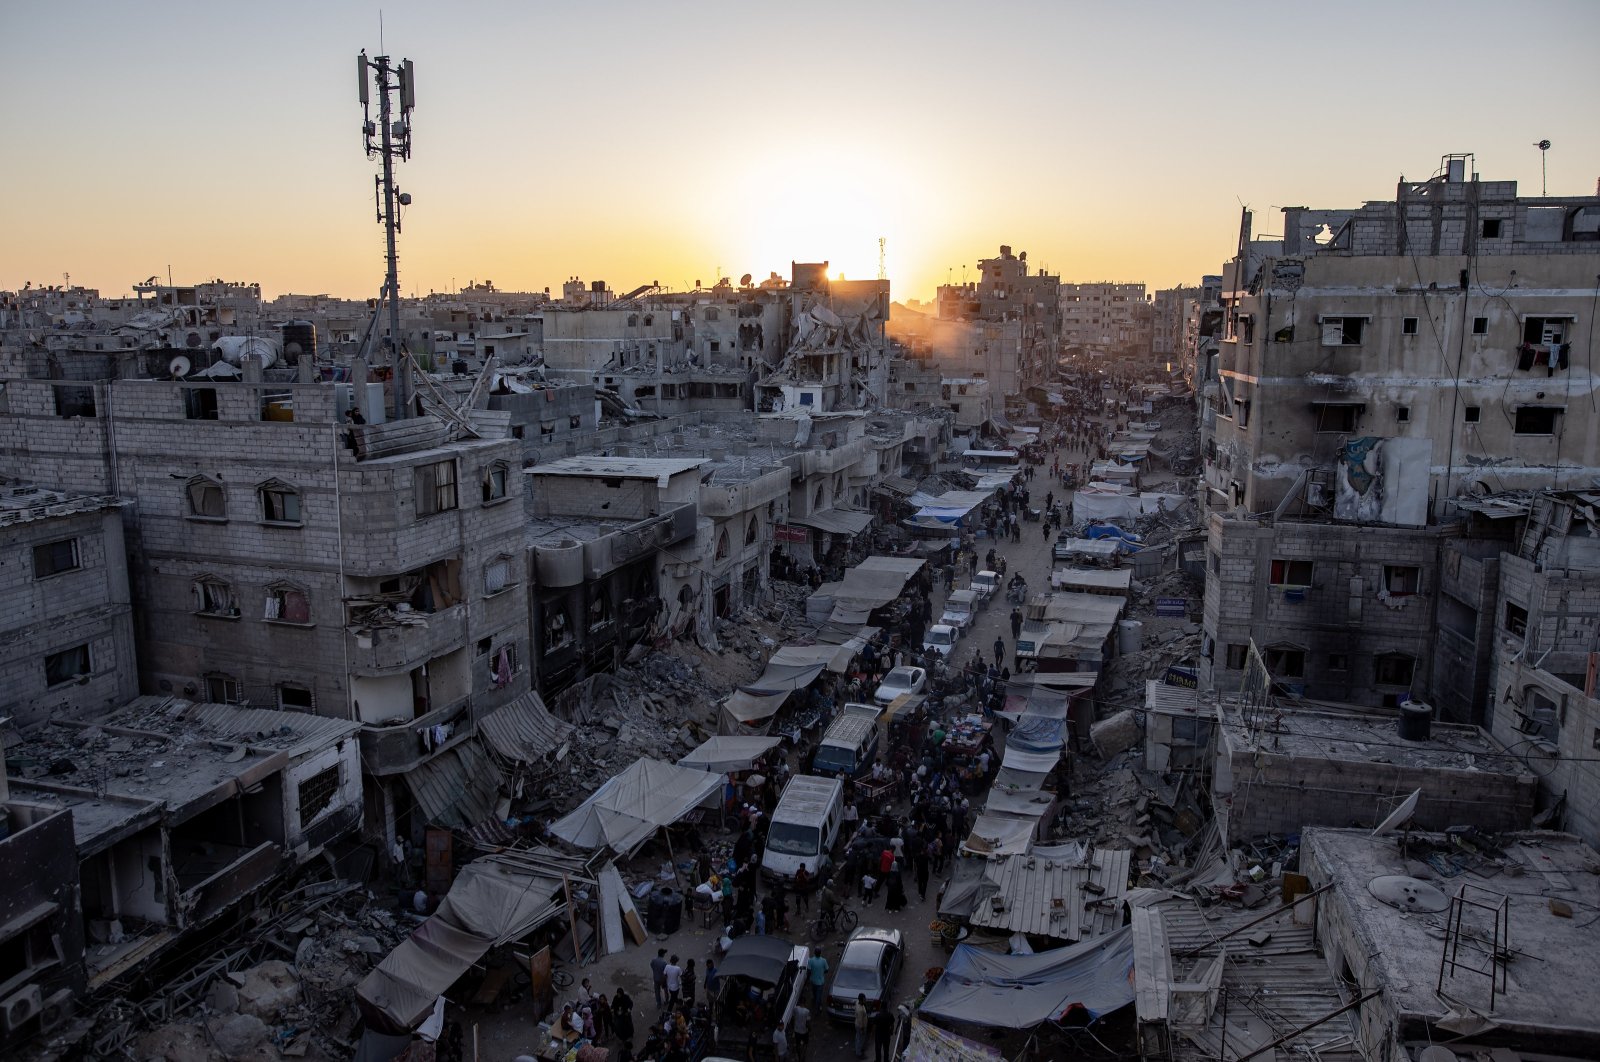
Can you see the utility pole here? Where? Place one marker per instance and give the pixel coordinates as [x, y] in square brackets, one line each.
[393, 141]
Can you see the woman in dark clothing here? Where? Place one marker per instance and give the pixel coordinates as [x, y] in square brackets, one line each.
[897, 890]
[622, 1017]
[689, 978]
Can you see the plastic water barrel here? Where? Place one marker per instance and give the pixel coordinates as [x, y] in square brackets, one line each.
[671, 910]
[1416, 721]
[1130, 636]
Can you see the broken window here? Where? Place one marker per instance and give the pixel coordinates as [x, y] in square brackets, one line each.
[222, 689]
[557, 631]
[435, 487]
[497, 576]
[53, 558]
[1516, 620]
[68, 665]
[206, 499]
[1343, 331]
[74, 401]
[1393, 669]
[1408, 326]
[214, 597]
[1238, 655]
[1544, 342]
[599, 609]
[494, 481]
[1540, 716]
[1336, 417]
[1247, 328]
[287, 604]
[1471, 414]
[296, 699]
[1285, 661]
[1291, 572]
[1535, 420]
[1402, 413]
[722, 545]
[280, 503]
[200, 403]
[1402, 580]
[317, 793]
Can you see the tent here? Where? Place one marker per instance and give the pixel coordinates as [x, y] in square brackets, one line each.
[745, 707]
[1019, 991]
[723, 754]
[626, 811]
[492, 901]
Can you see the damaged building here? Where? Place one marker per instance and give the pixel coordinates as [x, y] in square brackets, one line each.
[1005, 327]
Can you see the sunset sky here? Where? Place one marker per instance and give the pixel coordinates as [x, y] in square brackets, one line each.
[635, 142]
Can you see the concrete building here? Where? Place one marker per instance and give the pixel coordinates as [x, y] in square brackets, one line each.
[1008, 324]
[66, 639]
[1105, 319]
[1494, 957]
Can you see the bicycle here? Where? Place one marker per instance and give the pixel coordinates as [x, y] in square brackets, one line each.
[840, 919]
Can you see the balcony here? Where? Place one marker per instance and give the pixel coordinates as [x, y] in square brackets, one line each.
[397, 748]
[244, 875]
[384, 650]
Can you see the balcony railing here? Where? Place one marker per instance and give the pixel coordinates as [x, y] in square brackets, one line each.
[404, 646]
[397, 748]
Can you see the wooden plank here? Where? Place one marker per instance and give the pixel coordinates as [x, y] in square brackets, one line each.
[611, 911]
[630, 913]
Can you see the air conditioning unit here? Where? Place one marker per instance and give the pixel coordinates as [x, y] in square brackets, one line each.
[57, 1009]
[19, 1007]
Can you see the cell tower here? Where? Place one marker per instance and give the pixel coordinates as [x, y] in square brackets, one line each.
[389, 139]
[883, 272]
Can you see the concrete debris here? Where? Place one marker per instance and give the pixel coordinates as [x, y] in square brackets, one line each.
[1115, 733]
[268, 990]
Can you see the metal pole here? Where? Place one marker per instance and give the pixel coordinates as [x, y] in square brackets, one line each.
[402, 375]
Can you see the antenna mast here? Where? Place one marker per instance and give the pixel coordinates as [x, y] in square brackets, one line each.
[390, 139]
[883, 273]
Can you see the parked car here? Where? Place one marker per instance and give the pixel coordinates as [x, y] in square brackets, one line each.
[960, 609]
[941, 638]
[986, 585]
[868, 966]
[900, 681]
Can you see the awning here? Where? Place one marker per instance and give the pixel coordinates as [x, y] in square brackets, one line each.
[1000, 835]
[1032, 762]
[492, 901]
[524, 730]
[835, 521]
[723, 754]
[627, 810]
[899, 484]
[747, 707]
[982, 987]
[457, 788]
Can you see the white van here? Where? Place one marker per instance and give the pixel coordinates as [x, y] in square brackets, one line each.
[850, 744]
[804, 827]
[960, 609]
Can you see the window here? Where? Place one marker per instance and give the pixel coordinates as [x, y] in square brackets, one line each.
[1402, 580]
[74, 401]
[752, 531]
[206, 499]
[575, 422]
[557, 631]
[287, 604]
[296, 699]
[222, 689]
[1285, 661]
[435, 486]
[1543, 331]
[1336, 417]
[1343, 331]
[53, 558]
[599, 610]
[1471, 414]
[1491, 228]
[1338, 662]
[68, 665]
[1238, 656]
[1480, 326]
[1408, 326]
[1244, 413]
[214, 597]
[497, 576]
[1540, 716]
[722, 545]
[1535, 420]
[1516, 620]
[200, 403]
[494, 482]
[1291, 572]
[1216, 563]
[1393, 669]
[280, 503]
[317, 793]
[277, 406]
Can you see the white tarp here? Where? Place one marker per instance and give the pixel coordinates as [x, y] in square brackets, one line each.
[744, 707]
[1095, 506]
[1020, 991]
[1000, 835]
[729, 753]
[1031, 762]
[626, 811]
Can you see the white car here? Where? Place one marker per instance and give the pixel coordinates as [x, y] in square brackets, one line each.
[941, 638]
[900, 681]
[985, 584]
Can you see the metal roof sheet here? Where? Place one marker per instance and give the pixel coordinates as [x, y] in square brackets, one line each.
[1047, 898]
[524, 730]
[458, 787]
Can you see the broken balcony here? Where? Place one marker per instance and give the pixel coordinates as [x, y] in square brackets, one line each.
[396, 623]
[397, 748]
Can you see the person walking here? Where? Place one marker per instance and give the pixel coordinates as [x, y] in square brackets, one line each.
[896, 896]
[883, 1032]
[622, 1017]
[817, 970]
[999, 651]
[658, 975]
[689, 983]
[672, 977]
[1016, 623]
[862, 1017]
[802, 1028]
[920, 862]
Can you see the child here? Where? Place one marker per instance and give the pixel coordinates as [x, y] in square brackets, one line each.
[869, 889]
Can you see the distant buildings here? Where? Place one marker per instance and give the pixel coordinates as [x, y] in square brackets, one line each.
[1004, 328]
[1106, 320]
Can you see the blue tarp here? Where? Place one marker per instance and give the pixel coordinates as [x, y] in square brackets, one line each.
[1111, 531]
[1037, 734]
[1019, 991]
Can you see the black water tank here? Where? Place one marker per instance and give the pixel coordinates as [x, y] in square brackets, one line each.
[299, 337]
[672, 910]
[1416, 721]
[654, 916]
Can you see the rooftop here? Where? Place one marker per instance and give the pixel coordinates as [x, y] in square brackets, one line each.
[1367, 735]
[21, 502]
[660, 469]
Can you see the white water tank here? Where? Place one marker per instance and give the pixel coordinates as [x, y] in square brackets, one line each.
[1130, 636]
[235, 349]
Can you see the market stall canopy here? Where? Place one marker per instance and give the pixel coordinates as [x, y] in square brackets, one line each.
[1000, 835]
[835, 521]
[753, 707]
[628, 809]
[492, 901]
[946, 508]
[982, 987]
[728, 753]
[1106, 506]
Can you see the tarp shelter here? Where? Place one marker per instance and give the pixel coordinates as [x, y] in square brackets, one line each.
[492, 901]
[981, 987]
[1094, 505]
[726, 753]
[947, 510]
[628, 809]
[929, 1043]
[848, 603]
[1000, 835]
[748, 708]
[992, 481]
[835, 521]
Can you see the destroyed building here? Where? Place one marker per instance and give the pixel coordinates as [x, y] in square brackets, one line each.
[1005, 327]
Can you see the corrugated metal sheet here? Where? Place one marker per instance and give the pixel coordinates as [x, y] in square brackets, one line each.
[1047, 898]
[458, 787]
[296, 733]
[524, 730]
[1175, 700]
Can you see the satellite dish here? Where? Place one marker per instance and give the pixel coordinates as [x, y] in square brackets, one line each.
[744, 281]
[1408, 893]
[179, 367]
[1400, 815]
[235, 754]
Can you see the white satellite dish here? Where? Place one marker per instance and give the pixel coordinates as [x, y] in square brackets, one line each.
[179, 367]
[1400, 815]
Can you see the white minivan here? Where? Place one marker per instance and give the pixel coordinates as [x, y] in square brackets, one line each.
[804, 827]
